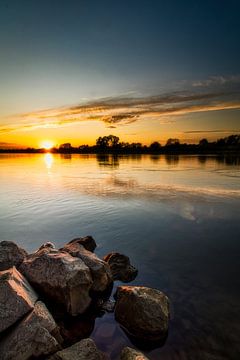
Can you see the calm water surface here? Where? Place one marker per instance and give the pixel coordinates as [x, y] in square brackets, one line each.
[177, 218]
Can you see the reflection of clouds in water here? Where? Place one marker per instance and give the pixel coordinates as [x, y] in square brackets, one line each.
[187, 212]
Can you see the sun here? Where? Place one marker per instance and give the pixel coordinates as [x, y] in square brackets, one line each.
[47, 144]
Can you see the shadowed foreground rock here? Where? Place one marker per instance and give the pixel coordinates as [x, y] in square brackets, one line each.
[31, 337]
[120, 267]
[10, 255]
[132, 354]
[100, 270]
[60, 278]
[17, 297]
[87, 242]
[82, 350]
[143, 312]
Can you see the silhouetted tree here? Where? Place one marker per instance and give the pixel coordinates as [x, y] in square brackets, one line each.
[203, 142]
[155, 146]
[107, 141]
[172, 142]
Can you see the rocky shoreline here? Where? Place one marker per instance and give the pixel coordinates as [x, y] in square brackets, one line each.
[49, 301]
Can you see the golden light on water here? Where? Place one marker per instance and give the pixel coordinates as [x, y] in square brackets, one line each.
[48, 159]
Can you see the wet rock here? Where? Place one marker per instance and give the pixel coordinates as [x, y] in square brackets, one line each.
[100, 270]
[143, 312]
[31, 337]
[87, 242]
[120, 267]
[10, 255]
[83, 350]
[17, 297]
[106, 305]
[132, 354]
[60, 278]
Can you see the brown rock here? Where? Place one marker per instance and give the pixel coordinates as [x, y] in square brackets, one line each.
[10, 255]
[100, 270]
[82, 350]
[132, 354]
[59, 277]
[120, 267]
[143, 312]
[31, 337]
[88, 242]
[17, 297]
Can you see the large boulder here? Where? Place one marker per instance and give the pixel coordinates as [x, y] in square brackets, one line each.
[60, 278]
[131, 354]
[143, 312]
[10, 255]
[120, 267]
[82, 350]
[32, 337]
[88, 242]
[100, 270]
[17, 297]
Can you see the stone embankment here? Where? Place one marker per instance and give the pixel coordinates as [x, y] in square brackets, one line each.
[49, 301]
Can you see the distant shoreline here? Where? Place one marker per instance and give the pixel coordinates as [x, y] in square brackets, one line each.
[192, 151]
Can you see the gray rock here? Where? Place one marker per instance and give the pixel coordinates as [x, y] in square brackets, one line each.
[143, 312]
[131, 354]
[88, 242]
[120, 267]
[31, 337]
[100, 270]
[60, 277]
[82, 350]
[17, 297]
[10, 255]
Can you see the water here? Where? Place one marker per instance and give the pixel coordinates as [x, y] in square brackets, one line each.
[176, 217]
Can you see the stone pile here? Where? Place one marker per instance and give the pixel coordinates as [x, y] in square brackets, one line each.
[49, 300]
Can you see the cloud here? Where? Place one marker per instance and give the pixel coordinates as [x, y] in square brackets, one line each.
[7, 145]
[116, 111]
[218, 81]
[211, 131]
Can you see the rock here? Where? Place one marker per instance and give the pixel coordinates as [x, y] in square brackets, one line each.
[60, 278]
[82, 350]
[143, 312]
[120, 267]
[10, 255]
[31, 337]
[17, 297]
[131, 354]
[106, 305]
[47, 245]
[88, 242]
[100, 270]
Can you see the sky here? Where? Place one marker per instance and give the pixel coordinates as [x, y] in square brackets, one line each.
[74, 70]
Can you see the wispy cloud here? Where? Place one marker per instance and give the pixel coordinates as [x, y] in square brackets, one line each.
[229, 131]
[121, 110]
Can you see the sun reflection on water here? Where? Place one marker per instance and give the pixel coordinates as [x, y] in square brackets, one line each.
[48, 159]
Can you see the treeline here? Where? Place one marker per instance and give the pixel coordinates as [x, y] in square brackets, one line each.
[112, 144]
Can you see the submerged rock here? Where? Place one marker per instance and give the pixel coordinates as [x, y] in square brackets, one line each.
[60, 278]
[120, 267]
[82, 350]
[143, 312]
[10, 255]
[31, 337]
[100, 270]
[17, 297]
[132, 354]
[88, 242]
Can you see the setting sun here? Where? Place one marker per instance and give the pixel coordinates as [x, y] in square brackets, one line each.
[47, 144]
